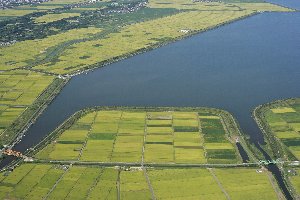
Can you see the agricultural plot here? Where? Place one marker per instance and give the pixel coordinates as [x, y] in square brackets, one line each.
[39, 181]
[216, 144]
[133, 185]
[120, 39]
[294, 179]
[138, 135]
[262, 7]
[147, 34]
[20, 183]
[69, 145]
[29, 50]
[140, 36]
[27, 9]
[246, 183]
[220, 6]
[75, 184]
[54, 17]
[282, 120]
[106, 185]
[210, 184]
[18, 90]
[45, 181]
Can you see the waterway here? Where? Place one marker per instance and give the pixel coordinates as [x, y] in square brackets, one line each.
[234, 67]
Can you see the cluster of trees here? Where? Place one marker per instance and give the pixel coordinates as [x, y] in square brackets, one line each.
[4, 4]
[25, 28]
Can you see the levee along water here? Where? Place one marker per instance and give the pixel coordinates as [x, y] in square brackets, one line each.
[234, 67]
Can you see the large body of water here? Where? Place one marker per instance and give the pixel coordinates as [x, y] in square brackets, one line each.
[234, 67]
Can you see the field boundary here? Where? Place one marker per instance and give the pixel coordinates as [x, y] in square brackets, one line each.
[25, 120]
[154, 46]
[71, 120]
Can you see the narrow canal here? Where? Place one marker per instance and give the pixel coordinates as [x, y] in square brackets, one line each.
[234, 67]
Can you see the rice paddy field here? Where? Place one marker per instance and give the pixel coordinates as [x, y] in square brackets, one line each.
[18, 90]
[218, 6]
[138, 36]
[122, 39]
[55, 17]
[33, 50]
[294, 180]
[135, 136]
[45, 181]
[282, 120]
[28, 9]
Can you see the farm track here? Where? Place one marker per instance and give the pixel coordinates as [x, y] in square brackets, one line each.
[149, 184]
[118, 186]
[54, 186]
[280, 196]
[56, 51]
[146, 165]
[219, 183]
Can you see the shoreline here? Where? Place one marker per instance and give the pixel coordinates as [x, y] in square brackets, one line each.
[271, 140]
[232, 130]
[153, 47]
[34, 111]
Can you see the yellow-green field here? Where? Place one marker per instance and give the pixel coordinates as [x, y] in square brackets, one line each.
[136, 135]
[217, 6]
[294, 179]
[36, 49]
[42, 181]
[282, 120]
[27, 9]
[18, 90]
[129, 39]
[54, 17]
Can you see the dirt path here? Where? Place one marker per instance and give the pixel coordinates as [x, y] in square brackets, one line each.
[219, 183]
[54, 186]
[275, 187]
[149, 184]
[119, 186]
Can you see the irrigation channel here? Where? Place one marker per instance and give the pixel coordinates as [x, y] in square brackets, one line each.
[234, 67]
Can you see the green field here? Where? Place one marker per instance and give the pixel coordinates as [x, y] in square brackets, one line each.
[123, 35]
[55, 17]
[167, 137]
[51, 37]
[42, 181]
[280, 122]
[18, 90]
[294, 180]
[28, 9]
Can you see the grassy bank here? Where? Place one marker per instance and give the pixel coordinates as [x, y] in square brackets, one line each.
[279, 122]
[180, 137]
[21, 122]
[36, 181]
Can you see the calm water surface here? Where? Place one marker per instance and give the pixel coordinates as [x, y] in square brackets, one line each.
[234, 67]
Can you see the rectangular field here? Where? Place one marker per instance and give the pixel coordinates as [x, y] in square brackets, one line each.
[138, 135]
[44, 181]
[283, 121]
[18, 90]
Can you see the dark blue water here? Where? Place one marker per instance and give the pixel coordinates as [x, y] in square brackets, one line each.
[295, 4]
[234, 67]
